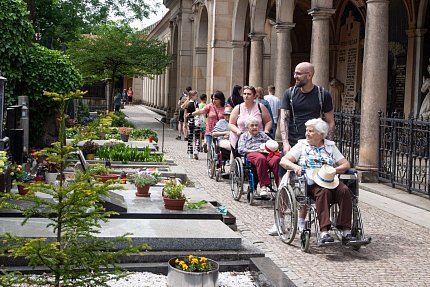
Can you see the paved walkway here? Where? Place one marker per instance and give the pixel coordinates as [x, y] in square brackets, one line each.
[399, 254]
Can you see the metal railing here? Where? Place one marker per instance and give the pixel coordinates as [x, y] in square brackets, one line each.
[404, 147]
[404, 153]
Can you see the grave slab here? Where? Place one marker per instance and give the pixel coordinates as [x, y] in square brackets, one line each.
[160, 234]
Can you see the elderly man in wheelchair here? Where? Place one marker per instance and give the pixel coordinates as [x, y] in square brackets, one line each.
[319, 160]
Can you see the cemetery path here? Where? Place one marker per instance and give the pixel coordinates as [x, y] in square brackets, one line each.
[399, 254]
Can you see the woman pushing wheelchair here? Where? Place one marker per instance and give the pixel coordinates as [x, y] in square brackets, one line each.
[321, 160]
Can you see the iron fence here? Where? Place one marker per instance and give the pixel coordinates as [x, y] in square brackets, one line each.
[404, 153]
[347, 135]
[404, 147]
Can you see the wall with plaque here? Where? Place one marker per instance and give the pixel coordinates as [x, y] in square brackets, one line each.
[347, 61]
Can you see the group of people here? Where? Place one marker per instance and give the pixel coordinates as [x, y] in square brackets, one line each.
[306, 138]
[125, 97]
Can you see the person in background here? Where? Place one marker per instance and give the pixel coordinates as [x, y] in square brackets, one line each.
[202, 105]
[182, 104]
[235, 98]
[130, 95]
[215, 112]
[260, 99]
[193, 130]
[124, 96]
[275, 105]
[117, 100]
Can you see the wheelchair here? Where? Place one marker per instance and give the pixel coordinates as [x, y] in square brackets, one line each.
[241, 171]
[293, 195]
[217, 159]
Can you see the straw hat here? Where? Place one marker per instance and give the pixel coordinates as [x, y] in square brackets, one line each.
[326, 177]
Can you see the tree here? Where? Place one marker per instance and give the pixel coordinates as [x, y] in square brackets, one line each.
[49, 70]
[64, 21]
[16, 33]
[117, 50]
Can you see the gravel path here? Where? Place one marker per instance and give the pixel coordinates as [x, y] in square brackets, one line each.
[146, 279]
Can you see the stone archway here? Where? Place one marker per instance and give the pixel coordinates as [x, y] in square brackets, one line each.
[239, 51]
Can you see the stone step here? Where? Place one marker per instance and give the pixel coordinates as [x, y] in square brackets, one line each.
[160, 234]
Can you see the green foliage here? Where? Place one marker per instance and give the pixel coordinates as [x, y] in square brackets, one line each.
[117, 50]
[16, 33]
[173, 190]
[124, 153]
[196, 205]
[64, 21]
[98, 169]
[46, 70]
[89, 147]
[74, 211]
[142, 178]
[143, 133]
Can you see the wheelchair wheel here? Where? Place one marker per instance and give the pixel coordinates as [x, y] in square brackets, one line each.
[286, 214]
[250, 195]
[236, 178]
[305, 238]
[357, 227]
[211, 163]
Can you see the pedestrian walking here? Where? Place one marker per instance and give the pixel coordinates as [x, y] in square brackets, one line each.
[193, 130]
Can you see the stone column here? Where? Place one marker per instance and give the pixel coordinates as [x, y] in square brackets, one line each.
[283, 60]
[237, 64]
[157, 91]
[163, 91]
[418, 80]
[144, 91]
[256, 59]
[374, 95]
[166, 92]
[320, 50]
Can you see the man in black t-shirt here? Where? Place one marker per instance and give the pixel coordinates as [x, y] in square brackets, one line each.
[308, 102]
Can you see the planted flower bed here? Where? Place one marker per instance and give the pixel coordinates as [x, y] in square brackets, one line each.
[124, 153]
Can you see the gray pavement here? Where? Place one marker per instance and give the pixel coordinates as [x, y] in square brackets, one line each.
[398, 223]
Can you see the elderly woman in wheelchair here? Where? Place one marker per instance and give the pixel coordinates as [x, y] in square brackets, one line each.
[318, 161]
[262, 152]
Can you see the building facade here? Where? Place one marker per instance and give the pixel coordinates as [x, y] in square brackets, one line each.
[372, 55]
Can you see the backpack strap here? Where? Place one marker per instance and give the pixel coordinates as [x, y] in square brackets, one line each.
[292, 91]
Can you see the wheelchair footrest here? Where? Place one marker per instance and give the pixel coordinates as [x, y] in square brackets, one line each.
[358, 242]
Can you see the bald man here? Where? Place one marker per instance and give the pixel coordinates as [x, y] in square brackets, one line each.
[308, 102]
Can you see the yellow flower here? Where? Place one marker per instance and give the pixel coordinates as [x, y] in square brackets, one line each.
[190, 257]
[194, 261]
[203, 265]
[184, 267]
[177, 261]
[203, 259]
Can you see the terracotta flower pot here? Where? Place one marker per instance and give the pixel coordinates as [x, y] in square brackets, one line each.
[23, 190]
[143, 191]
[174, 204]
[106, 177]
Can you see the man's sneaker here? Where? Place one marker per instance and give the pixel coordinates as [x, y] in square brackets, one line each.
[326, 238]
[205, 147]
[178, 138]
[196, 156]
[347, 238]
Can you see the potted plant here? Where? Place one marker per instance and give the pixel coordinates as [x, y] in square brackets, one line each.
[52, 169]
[100, 172]
[124, 133]
[192, 271]
[22, 178]
[3, 167]
[89, 149]
[143, 179]
[173, 196]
